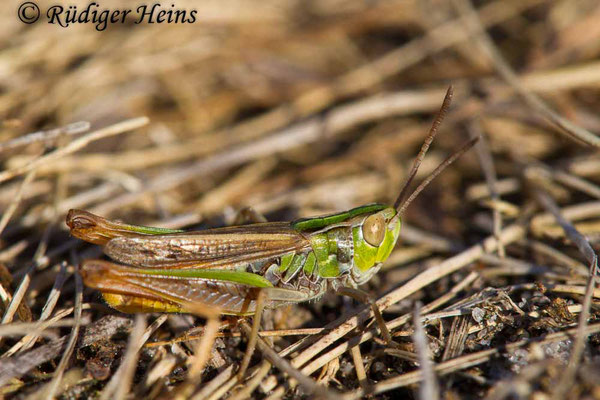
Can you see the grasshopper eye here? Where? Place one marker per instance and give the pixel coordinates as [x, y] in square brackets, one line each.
[373, 229]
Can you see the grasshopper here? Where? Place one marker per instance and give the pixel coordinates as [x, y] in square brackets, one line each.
[240, 270]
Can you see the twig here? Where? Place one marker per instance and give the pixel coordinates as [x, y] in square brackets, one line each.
[60, 370]
[16, 201]
[429, 390]
[29, 340]
[118, 386]
[253, 383]
[38, 259]
[487, 165]
[575, 265]
[359, 366]
[201, 357]
[22, 328]
[75, 145]
[224, 381]
[45, 136]
[275, 333]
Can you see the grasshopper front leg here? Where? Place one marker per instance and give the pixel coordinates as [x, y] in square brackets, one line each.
[366, 298]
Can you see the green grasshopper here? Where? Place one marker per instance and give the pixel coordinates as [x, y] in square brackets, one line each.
[232, 268]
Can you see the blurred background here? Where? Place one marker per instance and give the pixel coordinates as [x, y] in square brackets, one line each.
[294, 108]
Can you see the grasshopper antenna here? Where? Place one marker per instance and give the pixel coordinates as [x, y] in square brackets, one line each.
[432, 132]
[453, 157]
[401, 204]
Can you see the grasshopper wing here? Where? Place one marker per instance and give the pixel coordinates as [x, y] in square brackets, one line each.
[227, 247]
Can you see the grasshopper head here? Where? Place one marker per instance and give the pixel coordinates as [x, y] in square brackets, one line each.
[374, 239]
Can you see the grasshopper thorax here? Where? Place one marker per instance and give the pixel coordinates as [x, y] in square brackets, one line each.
[352, 244]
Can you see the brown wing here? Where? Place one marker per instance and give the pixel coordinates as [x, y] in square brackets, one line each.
[215, 248]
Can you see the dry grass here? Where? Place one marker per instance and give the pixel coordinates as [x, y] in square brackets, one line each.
[299, 108]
